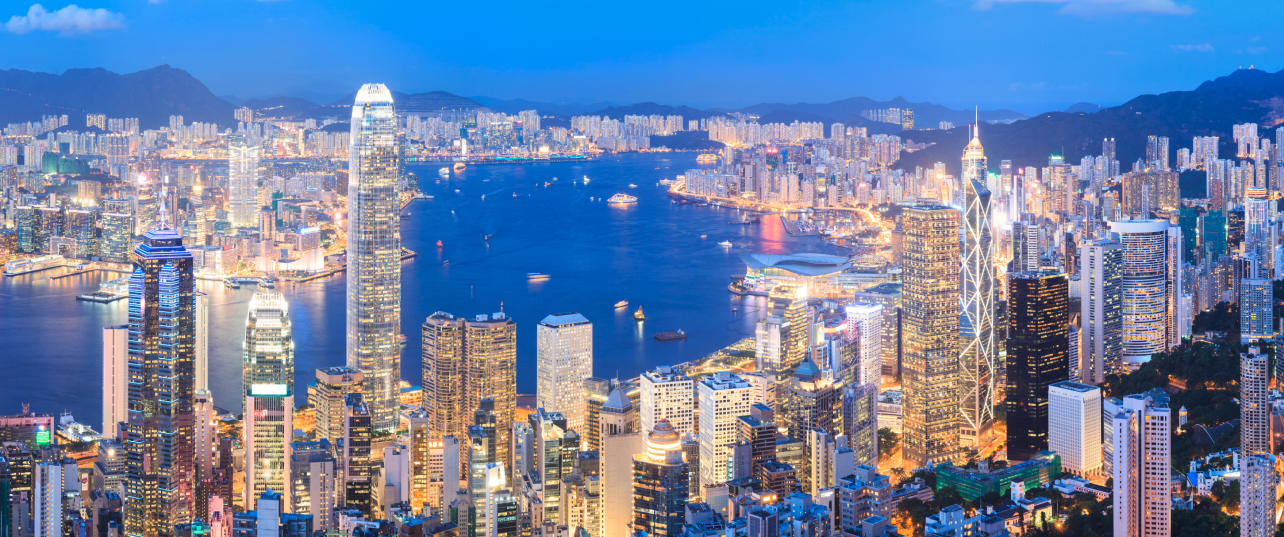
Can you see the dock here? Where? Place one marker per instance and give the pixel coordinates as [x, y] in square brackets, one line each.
[101, 297]
[86, 271]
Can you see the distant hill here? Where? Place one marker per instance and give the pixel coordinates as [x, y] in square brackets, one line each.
[151, 96]
[1083, 108]
[926, 114]
[1210, 110]
[419, 103]
[513, 106]
[650, 108]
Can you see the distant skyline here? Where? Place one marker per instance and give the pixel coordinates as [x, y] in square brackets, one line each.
[1032, 56]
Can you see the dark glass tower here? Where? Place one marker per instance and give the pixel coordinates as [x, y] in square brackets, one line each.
[660, 483]
[1038, 355]
[159, 437]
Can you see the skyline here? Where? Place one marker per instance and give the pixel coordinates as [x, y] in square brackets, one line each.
[1100, 51]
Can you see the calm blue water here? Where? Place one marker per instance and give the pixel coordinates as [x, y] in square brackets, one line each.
[596, 254]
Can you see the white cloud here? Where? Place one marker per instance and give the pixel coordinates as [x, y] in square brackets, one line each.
[1193, 47]
[1095, 8]
[68, 20]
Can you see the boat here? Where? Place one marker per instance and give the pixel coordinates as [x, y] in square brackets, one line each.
[622, 198]
[586, 179]
[666, 182]
[637, 315]
[456, 190]
[439, 244]
[459, 166]
[631, 185]
[726, 244]
[71, 432]
[444, 172]
[405, 216]
[267, 283]
[704, 236]
[231, 285]
[483, 197]
[547, 184]
[402, 339]
[445, 263]
[536, 277]
[488, 237]
[671, 336]
[621, 304]
[514, 195]
[707, 158]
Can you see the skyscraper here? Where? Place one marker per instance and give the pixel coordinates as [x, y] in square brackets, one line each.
[243, 182]
[1257, 506]
[329, 400]
[159, 436]
[1101, 313]
[660, 481]
[1256, 309]
[1146, 288]
[115, 379]
[1074, 426]
[1254, 403]
[374, 254]
[268, 383]
[1142, 457]
[1038, 355]
[724, 397]
[1025, 243]
[490, 348]
[565, 360]
[978, 358]
[930, 308]
[667, 394]
[444, 376]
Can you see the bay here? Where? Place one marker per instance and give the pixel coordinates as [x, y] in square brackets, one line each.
[595, 254]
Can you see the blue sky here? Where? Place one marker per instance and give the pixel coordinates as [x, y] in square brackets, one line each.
[1029, 55]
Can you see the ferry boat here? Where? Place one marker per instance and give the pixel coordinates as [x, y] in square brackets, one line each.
[459, 166]
[268, 283]
[622, 198]
[231, 284]
[726, 244]
[637, 315]
[666, 182]
[444, 172]
[621, 304]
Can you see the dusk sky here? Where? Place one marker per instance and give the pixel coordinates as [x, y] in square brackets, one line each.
[1032, 56]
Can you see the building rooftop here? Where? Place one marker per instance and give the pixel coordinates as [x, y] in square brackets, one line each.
[807, 264]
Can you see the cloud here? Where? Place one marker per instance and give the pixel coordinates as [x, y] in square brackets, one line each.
[1193, 47]
[1096, 8]
[66, 21]
[1256, 50]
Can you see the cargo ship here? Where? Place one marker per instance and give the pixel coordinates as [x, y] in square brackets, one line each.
[671, 336]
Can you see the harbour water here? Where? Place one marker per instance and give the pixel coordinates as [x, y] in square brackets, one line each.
[595, 254]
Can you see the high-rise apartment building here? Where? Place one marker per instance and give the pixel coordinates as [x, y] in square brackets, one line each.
[865, 365]
[979, 352]
[1101, 314]
[1025, 243]
[564, 360]
[490, 347]
[312, 482]
[374, 254]
[47, 506]
[444, 375]
[159, 436]
[667, 394]
[1256, 310]
[1074, 426]
[242, 182]
[724, 397]
[1257, 504]
[1254, 403]
[887, 295]
[329, 400]
[1141, 435]
[268, 383]
[930, 318]
[1037, 356]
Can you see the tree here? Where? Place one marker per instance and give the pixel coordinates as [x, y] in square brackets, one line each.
[948, 496]
[887, 440]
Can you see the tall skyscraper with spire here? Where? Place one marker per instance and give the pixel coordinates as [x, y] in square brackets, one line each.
[268, 383]
[160, 432]
[374, 254]
[978, 356]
